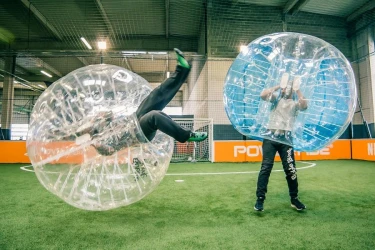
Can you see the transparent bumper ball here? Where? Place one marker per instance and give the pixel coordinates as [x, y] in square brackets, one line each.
[85, 143]
[291, 62]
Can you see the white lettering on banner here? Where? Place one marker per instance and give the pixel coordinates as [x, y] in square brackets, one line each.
[324, 151]
[239, 149]
[251, 151]
[371, 148]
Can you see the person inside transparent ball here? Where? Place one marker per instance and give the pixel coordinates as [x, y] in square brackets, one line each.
[284, 108]
[149, 115]
[278, 137]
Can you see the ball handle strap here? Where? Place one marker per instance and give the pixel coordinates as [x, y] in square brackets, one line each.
[284, 80]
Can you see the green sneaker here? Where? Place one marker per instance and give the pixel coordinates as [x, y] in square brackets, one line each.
[198, 136]
[181, 59]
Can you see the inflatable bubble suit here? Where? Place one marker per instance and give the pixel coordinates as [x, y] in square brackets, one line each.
[72, 162]
[291, 62]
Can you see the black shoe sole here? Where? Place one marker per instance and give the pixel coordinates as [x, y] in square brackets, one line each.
[298, 209]
[259, 210]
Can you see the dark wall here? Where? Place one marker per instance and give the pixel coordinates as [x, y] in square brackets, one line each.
[228, 132]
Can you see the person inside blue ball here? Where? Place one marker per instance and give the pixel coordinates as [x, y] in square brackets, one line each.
[284, 108]
[149, 115]
[278, 137]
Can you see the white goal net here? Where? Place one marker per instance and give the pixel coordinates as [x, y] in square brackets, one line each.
[194, 151]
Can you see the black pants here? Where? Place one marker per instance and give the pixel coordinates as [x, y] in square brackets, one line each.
[286, 153]
[149, 113]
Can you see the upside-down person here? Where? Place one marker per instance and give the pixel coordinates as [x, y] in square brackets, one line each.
[149, 115]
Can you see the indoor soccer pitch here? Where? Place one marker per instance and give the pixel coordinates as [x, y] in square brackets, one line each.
[201, 206]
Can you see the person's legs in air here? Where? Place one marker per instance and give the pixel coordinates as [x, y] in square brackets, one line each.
[269, 152]
[286, 153]
[159, 97]
[157, 120]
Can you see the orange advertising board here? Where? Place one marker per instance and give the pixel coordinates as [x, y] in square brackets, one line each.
[251, 151]
[225, 151]
[339, 149]
[364, 149]
[13, 152]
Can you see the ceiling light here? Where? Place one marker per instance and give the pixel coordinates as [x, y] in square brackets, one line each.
[86, 43]
[102, 45]
[45, 73]
[40, 85]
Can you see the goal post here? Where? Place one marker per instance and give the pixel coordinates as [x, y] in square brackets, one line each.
[194, 151]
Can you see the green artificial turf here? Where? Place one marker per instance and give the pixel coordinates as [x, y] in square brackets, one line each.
[210, 211]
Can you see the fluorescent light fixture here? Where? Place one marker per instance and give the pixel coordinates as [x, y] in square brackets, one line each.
[168, 74]
[40, 85]
[102, 45]
[45, 73]
[86, 43]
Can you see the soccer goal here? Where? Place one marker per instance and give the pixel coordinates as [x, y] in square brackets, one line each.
[194, 151]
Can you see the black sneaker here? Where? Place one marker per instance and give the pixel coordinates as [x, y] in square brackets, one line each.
[259, 204]
[295, 202]
[198, 136]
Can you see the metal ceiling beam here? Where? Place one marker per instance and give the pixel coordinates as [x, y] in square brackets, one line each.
[40, 63]
[83, 60]
[293, 6]
[6, 36]
[128, 64]
[19, 69]
[166, 19]
[37, 78]
[151, 43]
[105, 17]
[42, 19]
[289, 5]
[24, 92]
[366, 7]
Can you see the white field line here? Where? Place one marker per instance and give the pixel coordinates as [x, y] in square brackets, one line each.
[26, 168]
[248, 172]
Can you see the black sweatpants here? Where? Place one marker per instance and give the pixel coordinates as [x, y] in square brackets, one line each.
[286, 153]
[149, 113]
